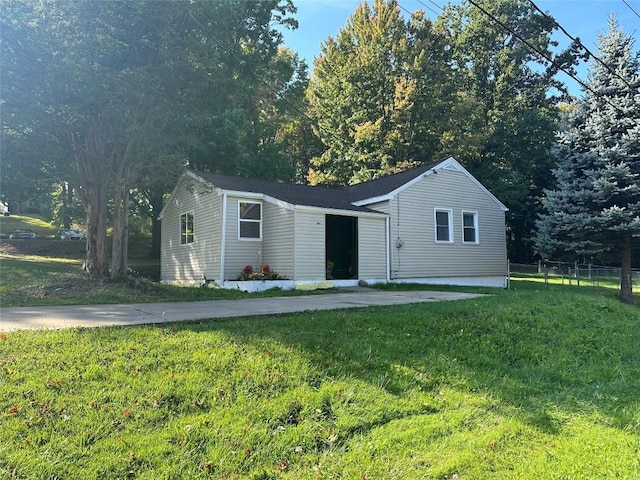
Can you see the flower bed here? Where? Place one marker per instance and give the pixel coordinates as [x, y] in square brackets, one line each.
[264, 273]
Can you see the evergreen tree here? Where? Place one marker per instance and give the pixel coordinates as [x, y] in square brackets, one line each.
[596, 204]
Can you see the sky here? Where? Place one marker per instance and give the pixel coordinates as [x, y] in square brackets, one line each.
[318, 19]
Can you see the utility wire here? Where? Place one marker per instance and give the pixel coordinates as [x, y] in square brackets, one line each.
[408, 11]
[425, 6]
[631, 8]
[434, 3]
[581, 45]
[544, 55]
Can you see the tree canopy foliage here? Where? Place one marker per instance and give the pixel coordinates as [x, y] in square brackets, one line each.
[115, 96]
[595, 206]
[380, 95]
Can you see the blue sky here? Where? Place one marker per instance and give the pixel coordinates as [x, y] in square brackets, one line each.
[319, 19]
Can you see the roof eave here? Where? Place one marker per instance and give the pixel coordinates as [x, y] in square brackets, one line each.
[339, 211]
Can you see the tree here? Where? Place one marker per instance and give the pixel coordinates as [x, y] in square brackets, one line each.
[287, 133]
[379, 95]
[595, 206]
[116, 88]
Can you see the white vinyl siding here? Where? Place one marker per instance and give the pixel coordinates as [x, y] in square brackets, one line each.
[372, 248]
[239, 252]
[310, 248]
[383, 206]
[278, 239]
[191, 263]
[420, 256]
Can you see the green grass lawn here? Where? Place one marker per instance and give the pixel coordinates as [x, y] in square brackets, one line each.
[526, 384]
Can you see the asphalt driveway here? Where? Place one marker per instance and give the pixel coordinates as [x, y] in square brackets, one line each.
[22, 318]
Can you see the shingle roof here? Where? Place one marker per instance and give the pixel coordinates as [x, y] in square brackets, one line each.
[295, 194]
[387, 184]
[317, 196]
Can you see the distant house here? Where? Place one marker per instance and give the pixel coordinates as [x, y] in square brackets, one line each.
[431, 224]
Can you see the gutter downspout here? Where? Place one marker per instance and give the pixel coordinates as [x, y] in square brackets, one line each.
[223, 240]
[387, 224]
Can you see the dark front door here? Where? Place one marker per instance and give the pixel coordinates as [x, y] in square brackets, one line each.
[342, 247]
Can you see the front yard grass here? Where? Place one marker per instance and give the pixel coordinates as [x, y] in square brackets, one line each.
[48, 272]
[527, 384]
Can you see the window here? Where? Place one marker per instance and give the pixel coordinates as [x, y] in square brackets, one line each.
[444, 230]
[470, 227]
[249, 221]
[186, 228]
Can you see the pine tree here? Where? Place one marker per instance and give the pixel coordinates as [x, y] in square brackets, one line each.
[596, 204]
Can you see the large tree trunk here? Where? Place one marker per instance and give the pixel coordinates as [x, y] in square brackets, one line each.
[93, 163]
[119, 251]
[95, 263]
[626, 288]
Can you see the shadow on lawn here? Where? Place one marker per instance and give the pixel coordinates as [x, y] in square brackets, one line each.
[543, 357]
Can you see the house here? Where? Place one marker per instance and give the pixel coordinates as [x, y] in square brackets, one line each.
[431, 224]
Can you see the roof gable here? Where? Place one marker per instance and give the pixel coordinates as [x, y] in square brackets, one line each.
[385, 188]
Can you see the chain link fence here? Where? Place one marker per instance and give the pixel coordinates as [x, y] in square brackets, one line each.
[571, 274]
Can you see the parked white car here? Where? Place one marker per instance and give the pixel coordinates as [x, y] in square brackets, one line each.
[70, 235]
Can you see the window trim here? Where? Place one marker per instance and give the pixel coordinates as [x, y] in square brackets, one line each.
[449, 213]
[476, 230]
[184, 236]
[259, 222]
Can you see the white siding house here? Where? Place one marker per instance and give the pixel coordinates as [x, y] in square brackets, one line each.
[432, 224]
[446, 228]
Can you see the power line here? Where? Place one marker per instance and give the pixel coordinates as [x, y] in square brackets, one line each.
[581, 45]
[431, 1]
[409, 12]
[425, 6]
[631, 8]
[543, 55]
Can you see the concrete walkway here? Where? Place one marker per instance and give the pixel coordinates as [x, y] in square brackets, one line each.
[22, 318]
